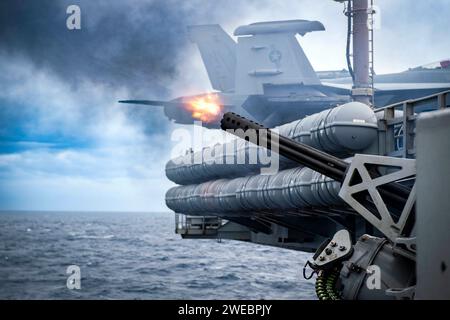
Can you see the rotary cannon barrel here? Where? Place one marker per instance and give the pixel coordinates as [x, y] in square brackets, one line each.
[303, 154]
[322, 162]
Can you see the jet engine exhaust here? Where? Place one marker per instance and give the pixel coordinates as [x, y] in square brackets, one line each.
[205, 108]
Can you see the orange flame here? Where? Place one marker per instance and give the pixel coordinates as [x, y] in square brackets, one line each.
[205, 108]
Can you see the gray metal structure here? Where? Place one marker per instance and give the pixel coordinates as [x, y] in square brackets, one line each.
[349, 189]
[358, 12]
[299, 208]
[433, 220]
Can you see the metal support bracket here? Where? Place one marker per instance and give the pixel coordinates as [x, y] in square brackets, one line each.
[400, 169]
[339, 248]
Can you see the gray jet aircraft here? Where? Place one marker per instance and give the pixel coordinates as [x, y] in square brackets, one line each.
[267, 77]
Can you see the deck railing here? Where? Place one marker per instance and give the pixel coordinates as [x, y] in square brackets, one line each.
[397, 123]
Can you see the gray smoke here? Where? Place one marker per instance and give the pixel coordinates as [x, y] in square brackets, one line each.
[132, 45]
[123, 44]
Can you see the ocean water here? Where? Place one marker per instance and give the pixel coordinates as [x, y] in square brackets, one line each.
[137, 256]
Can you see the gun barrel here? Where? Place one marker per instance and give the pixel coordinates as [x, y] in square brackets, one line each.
[305, 155]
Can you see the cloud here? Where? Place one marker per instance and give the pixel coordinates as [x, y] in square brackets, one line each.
[83, 194]
[130, 45]
[108, 178]
[66, 143]
[62, 145]
[42, 105]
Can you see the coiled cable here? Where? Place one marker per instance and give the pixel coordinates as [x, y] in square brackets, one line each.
[326, 284]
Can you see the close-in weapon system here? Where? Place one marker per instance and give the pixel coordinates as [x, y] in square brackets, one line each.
[381, 190]
[346, 187]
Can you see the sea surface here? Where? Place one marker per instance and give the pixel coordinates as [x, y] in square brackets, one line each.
[137, 256]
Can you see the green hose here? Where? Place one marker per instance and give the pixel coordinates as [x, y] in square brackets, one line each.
[326, 284]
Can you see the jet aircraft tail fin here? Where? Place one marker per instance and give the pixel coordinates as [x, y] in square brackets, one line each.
[269, 55]
[218, 51]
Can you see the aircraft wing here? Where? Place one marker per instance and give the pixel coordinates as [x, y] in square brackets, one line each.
[392, 86]
[390, 93]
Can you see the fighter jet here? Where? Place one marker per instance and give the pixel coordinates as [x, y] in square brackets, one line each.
[391, 88]
[266, 76]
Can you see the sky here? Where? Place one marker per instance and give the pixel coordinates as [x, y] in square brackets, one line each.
[65, 142]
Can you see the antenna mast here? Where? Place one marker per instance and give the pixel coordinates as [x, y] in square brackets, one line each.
[361, 32]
